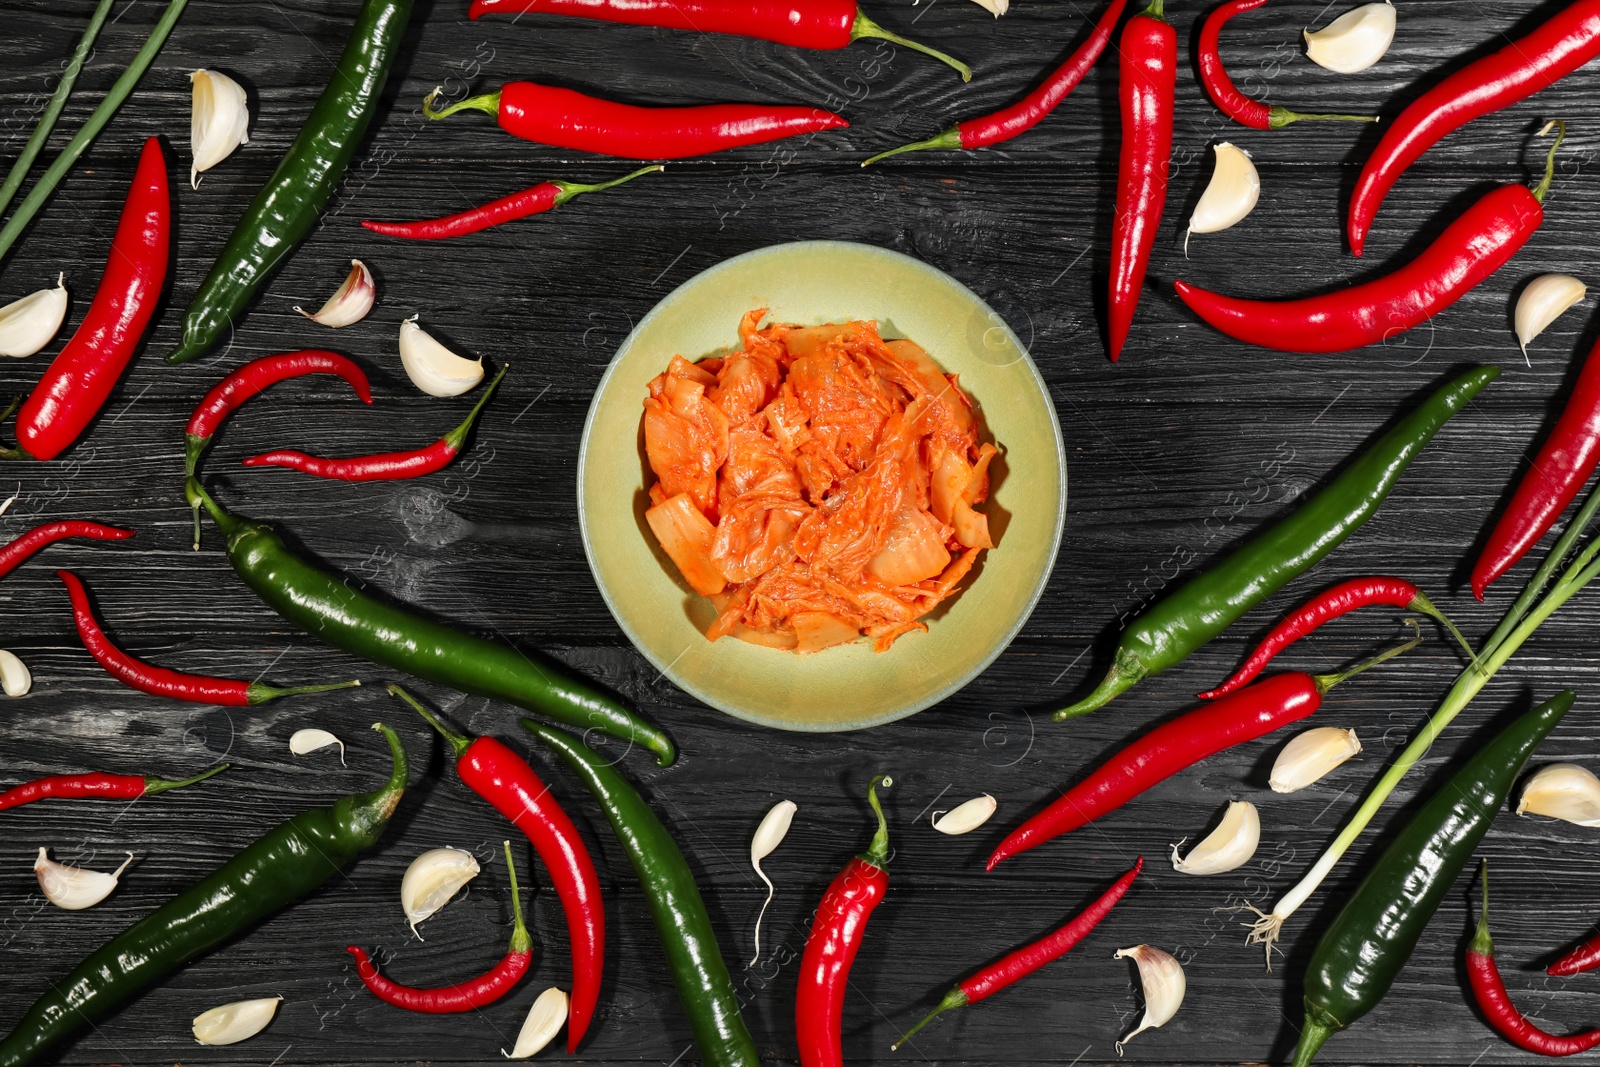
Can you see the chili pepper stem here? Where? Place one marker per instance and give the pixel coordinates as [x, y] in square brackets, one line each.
[152, 786]
[1282, 116]
[877, 852]
[953, 999]
[260, 694]
[458, 436]
[1326, 682]
[1427, 607]
[1543, 187]
[457, 741]
[1157, 9]
[520, 940]
[1125, 673]
[572, 189]
[488, 103]
[945, 140]
[1312, 1038]
[383, 802]
[198, 497]
[865, 27]
[1482, 943]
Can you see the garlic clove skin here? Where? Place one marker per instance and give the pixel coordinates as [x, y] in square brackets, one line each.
[1355, 40]
[965, 818]
[74, 888]
[350, 303]
[1228, 847]
[28, 324]
[219, 121]
[432, 367]
[1164, 984]
[1563, 791]
[1543, 301]
[305, 742]
[1311, 756]
[229, 1024]
[431, 880]
[15, 678]
[1232, 193]
[545, 1020]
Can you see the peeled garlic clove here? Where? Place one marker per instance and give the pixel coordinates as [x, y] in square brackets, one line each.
[1542, 302]
[230, 1024]
[769, 835]
[1232, 193]
[73, 888]
[1355, 40]
[349, 303]
[1164, 984]
[305, 742]
[1563, 791]
[432, 879]
[1226, 848]
[433, 368]
[29, 324]
[994, 7]
[965, 818]
[219, 121]
[1310, 756]
[545, 1020]
[15, 678]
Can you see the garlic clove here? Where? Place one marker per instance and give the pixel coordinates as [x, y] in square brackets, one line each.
[769, 835]
[74, 888]
[994, 7]
[1232, 193]
[305, 742]
[1310, 756]
[219, 120]
[229, 1024]
[1161, 977]
[432, 879]
[1563, 791]
[965, 818]
[1542, 302]
[350, 303]
[15, 678]
[433, 368]
[28, 324]
[1355, 40]
[1226, 848]
[545, 1020]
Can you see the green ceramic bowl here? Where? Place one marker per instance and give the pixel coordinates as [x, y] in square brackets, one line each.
[850, 686]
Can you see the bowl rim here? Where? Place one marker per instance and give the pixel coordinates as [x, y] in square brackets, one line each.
[948, 689]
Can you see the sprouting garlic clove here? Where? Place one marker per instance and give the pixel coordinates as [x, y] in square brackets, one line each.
[1232, 193]
[74, 888]
[1563, 791]
[1310, 756]
[350, 303]
[229, 1024]
[432, 879]
[994, 7]
[28, 324]
[1355, 40]
[1161, 977]
[545, 1020]
[967, 817]
[769, 835]
[305, 742]
[432, 367]
[15, 678]
[1228, 847]
[1543, 301]
[219, 121]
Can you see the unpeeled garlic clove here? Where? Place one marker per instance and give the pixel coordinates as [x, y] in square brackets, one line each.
[219, 121]
[1226, 848]
[967, 817]
[1310, 756]
[28, 324]
[350, 303]
[1162, 978]
[229, 1024]
[1563, 791]
[432, 367]
[1232, 193]
[1355, 40]
[1542, 302]
[15, 678]
[432, 879]
[545, 1020]
[74, 888]
[305, 742]
[769, 835]
[994, 7]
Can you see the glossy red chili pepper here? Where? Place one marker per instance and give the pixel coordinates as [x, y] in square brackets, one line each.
[1586, 957]
[1219, 86]
[531, 201]
[76, 384]
[836, 932]
[18, 551]
[159, 681]
[95, 787]
[385, 466]
[1568, 40]
[1149, 71]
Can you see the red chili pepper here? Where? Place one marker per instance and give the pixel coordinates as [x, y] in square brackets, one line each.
[95, 787]
[836, 933]
[1470, 249]
[1149, 71]
[819, 24]
[531, 201]
[565, 118]
[1025, 114]
[1219, 86]
[18, 552]
[76, 384]
[1586, 957]
[1483, 974]
[1024, 961]
[504, 779]
[1567, 41]
[161, 682]
[480, 992]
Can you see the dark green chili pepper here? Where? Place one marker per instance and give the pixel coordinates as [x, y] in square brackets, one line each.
[698, 970]
[1362, 953]
[328, 608]
[1208, 604]
[280, 867]
[287, 209]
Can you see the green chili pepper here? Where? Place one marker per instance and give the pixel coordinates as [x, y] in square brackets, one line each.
[698, 970]
[286, 210]
[328, 608]
[1205, 606]
[280, 867]
[1362, 953]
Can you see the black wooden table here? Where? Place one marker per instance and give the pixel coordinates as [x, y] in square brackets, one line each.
[1176, 454]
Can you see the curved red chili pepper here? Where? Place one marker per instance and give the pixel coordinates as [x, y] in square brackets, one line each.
[95, 787]
[159, 681]
[1149, 71]
[254, 377]
[385, 466]
[836, 932]
[1219, 86]
[1561, 45]
[531, 201]
[1586, 957]
[18, 551]
[76, 384]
